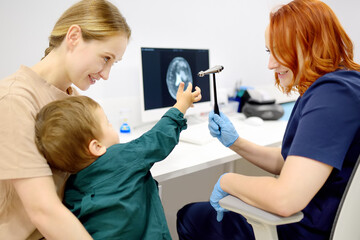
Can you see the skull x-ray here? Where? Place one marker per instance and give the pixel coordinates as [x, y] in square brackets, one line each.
[178, 71]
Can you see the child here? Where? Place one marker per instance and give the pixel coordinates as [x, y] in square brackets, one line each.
[115, 197]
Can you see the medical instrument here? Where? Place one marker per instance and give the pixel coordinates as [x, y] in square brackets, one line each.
[213, 70]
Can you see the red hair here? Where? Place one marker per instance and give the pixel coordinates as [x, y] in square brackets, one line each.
[310, 30]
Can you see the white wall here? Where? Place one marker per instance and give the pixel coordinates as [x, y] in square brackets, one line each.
[233, 30]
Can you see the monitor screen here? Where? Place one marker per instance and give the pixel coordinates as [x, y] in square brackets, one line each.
[162, 71]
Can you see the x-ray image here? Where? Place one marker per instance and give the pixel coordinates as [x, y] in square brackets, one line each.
[178, 71]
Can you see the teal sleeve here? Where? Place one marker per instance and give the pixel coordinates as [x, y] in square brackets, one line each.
[157, 143]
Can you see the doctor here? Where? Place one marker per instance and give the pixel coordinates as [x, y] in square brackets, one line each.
[311, 54]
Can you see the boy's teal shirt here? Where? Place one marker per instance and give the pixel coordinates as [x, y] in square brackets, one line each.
[116, 196]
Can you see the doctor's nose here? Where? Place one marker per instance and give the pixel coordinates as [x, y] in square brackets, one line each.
[272, 63]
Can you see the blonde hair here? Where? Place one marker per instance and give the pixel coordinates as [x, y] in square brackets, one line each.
[98, 20]
[63, 131]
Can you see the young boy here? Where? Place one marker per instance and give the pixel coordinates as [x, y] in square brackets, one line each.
[115, 197]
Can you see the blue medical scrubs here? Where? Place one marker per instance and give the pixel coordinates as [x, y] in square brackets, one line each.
[325, 126]
[116, 197]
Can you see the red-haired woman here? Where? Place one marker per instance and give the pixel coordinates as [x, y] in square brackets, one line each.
[310, 53]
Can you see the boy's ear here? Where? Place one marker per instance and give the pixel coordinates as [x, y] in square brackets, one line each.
[73, 36]
[96, 148]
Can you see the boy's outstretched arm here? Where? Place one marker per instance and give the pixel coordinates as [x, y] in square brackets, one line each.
[185, 99]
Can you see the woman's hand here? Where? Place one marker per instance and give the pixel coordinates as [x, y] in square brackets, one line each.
[221, 128]
[45, 210]
[216, 195]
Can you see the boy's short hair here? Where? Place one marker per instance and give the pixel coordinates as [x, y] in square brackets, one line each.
[63, 131]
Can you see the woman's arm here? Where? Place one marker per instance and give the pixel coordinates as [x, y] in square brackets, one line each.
[46, 211]
[267, 158]
[300, 179]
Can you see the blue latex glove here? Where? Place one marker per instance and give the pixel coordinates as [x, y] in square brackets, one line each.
[216, 195]
[221, 128]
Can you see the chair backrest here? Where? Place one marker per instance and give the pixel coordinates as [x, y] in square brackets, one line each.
[346, 225]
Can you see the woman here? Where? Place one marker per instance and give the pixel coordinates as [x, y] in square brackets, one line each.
[87, 39]
[310, 53]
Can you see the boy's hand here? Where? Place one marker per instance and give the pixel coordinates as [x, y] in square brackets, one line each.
[185, 99]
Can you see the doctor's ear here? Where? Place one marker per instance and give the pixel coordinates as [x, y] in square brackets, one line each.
[73, 36]
[96, 148]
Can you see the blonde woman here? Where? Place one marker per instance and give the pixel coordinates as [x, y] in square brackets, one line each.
[86, 40]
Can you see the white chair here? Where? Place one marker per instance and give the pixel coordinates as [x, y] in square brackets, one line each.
[264, 224]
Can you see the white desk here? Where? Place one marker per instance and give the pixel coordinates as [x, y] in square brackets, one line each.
[188, 158]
